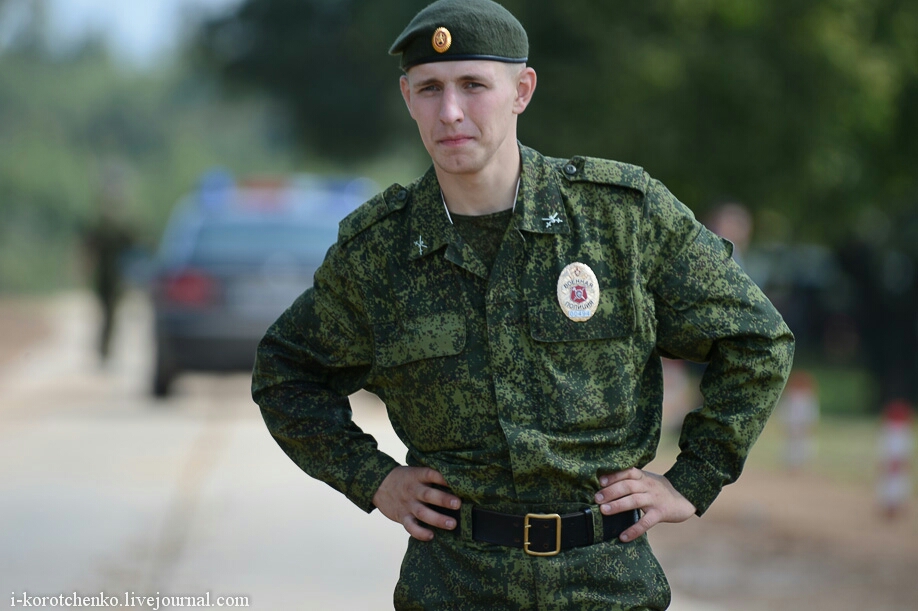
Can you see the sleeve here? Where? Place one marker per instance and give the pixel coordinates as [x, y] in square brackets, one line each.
[708, 310]
[317, 353]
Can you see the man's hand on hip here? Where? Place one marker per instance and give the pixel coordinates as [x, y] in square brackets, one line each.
[402, 497]
[649, 492]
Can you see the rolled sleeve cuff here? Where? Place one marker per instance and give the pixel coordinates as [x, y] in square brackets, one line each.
[368, 478]
[696, 481]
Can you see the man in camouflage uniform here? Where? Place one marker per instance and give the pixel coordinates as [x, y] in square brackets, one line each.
[511, 311]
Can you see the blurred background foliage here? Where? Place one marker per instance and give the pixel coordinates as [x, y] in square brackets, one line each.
[806, 113]
[68, 120]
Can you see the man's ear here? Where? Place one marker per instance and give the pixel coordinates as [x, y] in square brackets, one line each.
[406, 92]
[525, 87]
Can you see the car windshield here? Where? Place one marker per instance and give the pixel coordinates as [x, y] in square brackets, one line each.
[256, 242]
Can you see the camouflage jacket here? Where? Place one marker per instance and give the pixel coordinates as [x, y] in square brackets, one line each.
[485, 377]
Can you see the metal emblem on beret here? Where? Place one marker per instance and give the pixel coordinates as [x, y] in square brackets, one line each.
[442, 40]
[578, 292]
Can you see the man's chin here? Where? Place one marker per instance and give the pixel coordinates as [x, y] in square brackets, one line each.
[457, 164]
[459, 169]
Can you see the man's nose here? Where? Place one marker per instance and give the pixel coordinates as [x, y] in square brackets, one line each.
[450, 108]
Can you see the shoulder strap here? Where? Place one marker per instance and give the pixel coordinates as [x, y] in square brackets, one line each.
[371, 212]
[605, 171]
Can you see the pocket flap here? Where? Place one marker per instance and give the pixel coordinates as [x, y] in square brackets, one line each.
[419, 338]
[613, 318]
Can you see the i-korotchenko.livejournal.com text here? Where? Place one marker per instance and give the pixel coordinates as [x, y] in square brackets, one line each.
[154, 602]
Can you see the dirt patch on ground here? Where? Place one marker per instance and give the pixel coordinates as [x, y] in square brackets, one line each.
[772, 541]
[23, 323]
[794, 541]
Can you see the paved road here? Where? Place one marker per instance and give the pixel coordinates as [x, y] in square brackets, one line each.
[103, 489]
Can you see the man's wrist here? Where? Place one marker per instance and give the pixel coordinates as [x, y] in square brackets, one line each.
[363, 487]
[693, 481]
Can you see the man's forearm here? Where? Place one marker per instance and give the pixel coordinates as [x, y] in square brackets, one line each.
[336, 452]
[305, 405]
[741, 386]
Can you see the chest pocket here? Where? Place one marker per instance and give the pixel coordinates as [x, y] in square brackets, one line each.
[586, 369]
[419, 356]
[421, 373]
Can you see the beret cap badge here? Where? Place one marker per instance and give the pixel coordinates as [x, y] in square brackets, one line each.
[461, 30]
[442, 40]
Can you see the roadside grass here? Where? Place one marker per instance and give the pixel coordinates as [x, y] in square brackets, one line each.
[847, 437]
[846, 451]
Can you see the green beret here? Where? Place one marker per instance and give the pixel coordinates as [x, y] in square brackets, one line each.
[453, 30]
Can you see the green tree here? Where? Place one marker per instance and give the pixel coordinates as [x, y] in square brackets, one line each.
[64, 117]
[322, 59]
[803, 109]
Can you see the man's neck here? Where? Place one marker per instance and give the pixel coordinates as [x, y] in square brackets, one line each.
[491, 190]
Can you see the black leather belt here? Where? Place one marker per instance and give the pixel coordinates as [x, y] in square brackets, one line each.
[542, 534]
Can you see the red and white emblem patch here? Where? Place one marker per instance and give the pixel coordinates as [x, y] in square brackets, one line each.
[579, 294]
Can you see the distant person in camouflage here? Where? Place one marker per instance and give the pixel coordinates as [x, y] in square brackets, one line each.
[511, 310]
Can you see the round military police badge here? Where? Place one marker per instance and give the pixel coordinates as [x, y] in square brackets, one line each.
[578, 292]
[442, 40]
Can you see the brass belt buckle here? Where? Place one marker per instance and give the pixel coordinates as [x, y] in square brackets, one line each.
[542, 516]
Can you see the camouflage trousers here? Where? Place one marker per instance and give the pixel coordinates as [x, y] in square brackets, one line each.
[455, 572]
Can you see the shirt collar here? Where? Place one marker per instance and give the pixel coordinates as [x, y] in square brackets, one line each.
[539, 206]
[430, 226]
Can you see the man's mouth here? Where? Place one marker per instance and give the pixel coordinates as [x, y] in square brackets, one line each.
[455, 140]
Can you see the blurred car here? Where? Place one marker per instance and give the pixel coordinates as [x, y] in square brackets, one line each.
[231, 259]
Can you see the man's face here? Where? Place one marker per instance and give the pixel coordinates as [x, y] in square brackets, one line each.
[466, 110]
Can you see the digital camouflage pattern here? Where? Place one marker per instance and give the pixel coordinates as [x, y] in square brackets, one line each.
[487, 381]
[446, 574]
